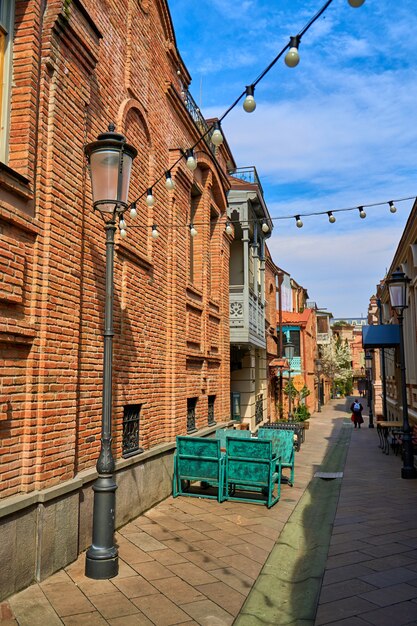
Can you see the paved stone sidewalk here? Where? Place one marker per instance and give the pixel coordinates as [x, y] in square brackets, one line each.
[186, 561]
[371, 570]
[190, 561]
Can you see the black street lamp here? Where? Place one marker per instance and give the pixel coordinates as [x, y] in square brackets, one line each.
[110, 161]
[289, 349]
[319, 368]
[368, 364]
[397, 285]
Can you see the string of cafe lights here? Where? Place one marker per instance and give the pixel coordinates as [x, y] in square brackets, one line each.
[297, 217]
[292, 58]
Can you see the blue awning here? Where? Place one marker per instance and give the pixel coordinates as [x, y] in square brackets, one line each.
[380, 336]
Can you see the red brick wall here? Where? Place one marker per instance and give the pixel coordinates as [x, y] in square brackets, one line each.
[171, 336]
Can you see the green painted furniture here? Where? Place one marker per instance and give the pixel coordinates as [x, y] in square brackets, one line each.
[198, 459]
[296, 427]
[223, 433]
[252, 465]
[285, 442]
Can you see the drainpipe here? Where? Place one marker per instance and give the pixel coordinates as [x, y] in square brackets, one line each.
[280, 345]
[384, 377]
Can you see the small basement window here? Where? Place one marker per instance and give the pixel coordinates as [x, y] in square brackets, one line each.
[131, 420]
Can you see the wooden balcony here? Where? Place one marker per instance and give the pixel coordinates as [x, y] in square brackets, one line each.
[247, 318]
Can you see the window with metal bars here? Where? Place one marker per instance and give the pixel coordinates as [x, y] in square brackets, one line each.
[211, 410]
[131, 419]
[191, 405]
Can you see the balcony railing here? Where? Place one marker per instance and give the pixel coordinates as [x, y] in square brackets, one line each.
[248, 174]
[295, 364]
[259, 409]
[195, 113]
[323, 337]
[246, 318]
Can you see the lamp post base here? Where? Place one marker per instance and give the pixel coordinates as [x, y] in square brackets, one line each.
[101, 569]
[408, 472]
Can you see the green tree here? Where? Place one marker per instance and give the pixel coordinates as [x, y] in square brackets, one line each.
[336, 362]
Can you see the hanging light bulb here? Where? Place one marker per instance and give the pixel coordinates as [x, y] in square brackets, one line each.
[332, 218]
[123, 233]
[229, 229]
[217, 137]
[191, 160]
[150, 200]
[122, 224]
[193, 231]
[249, 103]
[362, 213]
[292, 58]
[133, 211]
[155, 233]
[392, 207]
[356, 3]
[169, 182]
[298, 221]
[265, 227]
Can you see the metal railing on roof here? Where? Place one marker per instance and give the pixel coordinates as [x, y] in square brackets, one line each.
[197, 117]
[248, 174]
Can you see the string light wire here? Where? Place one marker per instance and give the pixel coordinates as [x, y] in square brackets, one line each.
[290, 217]
[300, 34]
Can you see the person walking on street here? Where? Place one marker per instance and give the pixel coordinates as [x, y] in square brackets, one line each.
[356, 408]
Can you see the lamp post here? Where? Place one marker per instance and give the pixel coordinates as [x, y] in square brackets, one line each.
[110, 161]
[318, 370]
[368, 364]
[397, 285]
[289, 355]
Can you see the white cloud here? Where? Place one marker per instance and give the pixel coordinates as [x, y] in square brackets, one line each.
[228, 9]
[335, 138]
[337, 131]
[340, 271]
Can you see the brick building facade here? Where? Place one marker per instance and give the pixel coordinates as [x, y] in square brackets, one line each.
[77, 66]
[70, 68]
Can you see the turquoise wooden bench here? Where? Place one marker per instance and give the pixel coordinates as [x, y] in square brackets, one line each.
[223, 433]
[295, 427]
[285, 440]
[198, 459]
[252, 465]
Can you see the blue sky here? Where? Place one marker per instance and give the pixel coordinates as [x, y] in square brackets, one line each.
[339, 130]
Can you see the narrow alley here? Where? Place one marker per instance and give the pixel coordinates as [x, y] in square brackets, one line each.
[195, 561]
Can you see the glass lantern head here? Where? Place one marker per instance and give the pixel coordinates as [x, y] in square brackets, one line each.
[368, 360]
[110, 161]
[289, 349]
[398, 285]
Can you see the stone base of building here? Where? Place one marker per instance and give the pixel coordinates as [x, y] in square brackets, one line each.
[44, 531]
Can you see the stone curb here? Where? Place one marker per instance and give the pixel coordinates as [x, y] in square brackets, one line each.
[288, 588]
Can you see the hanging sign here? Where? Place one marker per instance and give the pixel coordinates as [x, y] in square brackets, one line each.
[298, 382]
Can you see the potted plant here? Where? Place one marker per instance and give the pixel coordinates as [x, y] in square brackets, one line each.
[301, 414]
